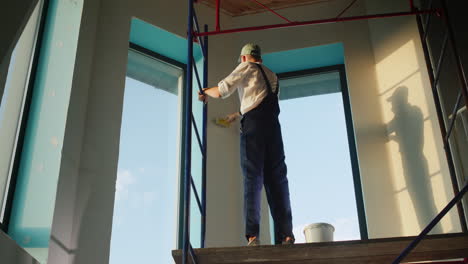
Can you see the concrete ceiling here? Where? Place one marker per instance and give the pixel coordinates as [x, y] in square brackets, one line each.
[245, 7]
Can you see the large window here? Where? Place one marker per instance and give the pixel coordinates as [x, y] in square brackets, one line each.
[15, 79]
[320, 152]
[146, 204]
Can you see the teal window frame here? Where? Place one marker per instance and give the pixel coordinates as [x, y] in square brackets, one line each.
[358, 192]
[16, 155]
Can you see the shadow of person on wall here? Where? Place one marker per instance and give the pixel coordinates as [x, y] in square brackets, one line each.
[407, 130]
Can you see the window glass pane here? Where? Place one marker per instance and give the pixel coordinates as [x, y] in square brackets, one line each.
[41, 155]
[145, 211]
[197, 161]
[318, 84]
[155, 73]
[195, 222]
[317, 154]
[12, 101]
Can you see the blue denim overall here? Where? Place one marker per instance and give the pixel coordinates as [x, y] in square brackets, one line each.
[262, 162]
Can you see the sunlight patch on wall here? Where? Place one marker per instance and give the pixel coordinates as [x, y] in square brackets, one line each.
[407, 212]
[420, 180]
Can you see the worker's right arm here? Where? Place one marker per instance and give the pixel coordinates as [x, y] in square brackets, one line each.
[228, 85]
[234, 80]
[212, 92]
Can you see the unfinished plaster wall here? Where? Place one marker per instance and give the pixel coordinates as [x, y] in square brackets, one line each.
[419, 173]
[13, 18]
[10, 252]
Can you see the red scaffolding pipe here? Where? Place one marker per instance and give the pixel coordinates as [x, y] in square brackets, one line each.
[314, 22]
[273, 11]
[411, 3]
[218, 6]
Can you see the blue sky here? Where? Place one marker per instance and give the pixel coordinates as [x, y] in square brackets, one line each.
[144, 228]
[319, 166]
[317, 155]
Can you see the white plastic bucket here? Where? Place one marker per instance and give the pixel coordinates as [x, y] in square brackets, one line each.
[319, 232]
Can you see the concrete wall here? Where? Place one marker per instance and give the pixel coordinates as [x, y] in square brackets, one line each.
[419, 173]
[10, 252]
[13, 18]
[4, 74]
[16, 73]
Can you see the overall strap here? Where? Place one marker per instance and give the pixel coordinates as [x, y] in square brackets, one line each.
[266, 80]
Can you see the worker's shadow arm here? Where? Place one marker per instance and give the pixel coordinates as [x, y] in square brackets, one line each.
[390, 132]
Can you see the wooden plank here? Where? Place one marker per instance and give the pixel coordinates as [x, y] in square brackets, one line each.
[246, 7]
[380, 251]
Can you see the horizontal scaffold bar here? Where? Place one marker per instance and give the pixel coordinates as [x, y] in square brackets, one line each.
[314, 22]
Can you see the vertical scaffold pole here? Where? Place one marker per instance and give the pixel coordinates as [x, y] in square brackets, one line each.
[217, 22]
[188, 134]
[204, 139]
[460, 69]
[464, 89]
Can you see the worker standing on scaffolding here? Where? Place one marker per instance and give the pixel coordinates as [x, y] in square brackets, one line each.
[262, 154]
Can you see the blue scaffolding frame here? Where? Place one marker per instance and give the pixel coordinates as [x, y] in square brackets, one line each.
[189, 122]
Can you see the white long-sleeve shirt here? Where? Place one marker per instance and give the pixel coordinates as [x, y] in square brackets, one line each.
[247, 79]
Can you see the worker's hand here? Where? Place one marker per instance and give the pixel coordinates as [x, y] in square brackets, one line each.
[211, 92]
[203, 97]
[232, 117]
